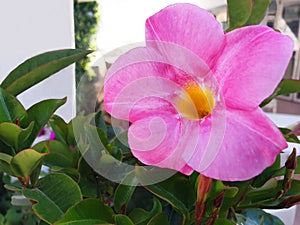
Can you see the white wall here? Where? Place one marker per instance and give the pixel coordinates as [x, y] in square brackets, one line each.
[123, 21]
[32, 27]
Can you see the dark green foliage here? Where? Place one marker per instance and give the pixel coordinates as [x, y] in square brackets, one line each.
[86, 18]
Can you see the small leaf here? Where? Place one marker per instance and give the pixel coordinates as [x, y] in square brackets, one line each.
[11, 109]
[218, 187]
[258, 12]
[5, 160]
[159, 219]
[239, 12]
[124, 193]
[123, 220]
[40, 113]
[87, 212]
[59, 154]
[40, 67]
[11, 134]
[285, 87]
[25, 162]
[289, 136]
[54, 194]
[59, 127]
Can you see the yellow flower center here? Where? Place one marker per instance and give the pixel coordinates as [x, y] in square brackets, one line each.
[195, 102]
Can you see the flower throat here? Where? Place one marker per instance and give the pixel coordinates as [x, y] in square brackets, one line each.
[195, 102]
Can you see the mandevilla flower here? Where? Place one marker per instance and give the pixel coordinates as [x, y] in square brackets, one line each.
[192, 94]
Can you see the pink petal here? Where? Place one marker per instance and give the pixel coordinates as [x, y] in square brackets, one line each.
[252, 64]
[158, 140]
[188, 26]
[250, 143]
[145, 73]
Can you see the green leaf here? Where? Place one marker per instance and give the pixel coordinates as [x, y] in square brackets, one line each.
[11, 109]
[25, 162]
[258, 11]
[285, 87]
[87, 212]
[159, 219]
[5, 160]
[289, 136]
[141, 217]
[218, 187]
[40, 113]
[223, 222]
[40, 67]
[239, 12]
[260, 217]
[123, 220]
[54, 194]
[87, 180]
[177, 190]
[124, 193]
[59, 127]
[59, 154]
[12, 135]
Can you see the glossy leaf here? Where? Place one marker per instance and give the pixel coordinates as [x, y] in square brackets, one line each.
[11, 109]
[59, 127]
[159, 219]
[258, 11]
[141, 217]
[239, 12]
[88, 212]
[218, 187]
[285, 87]
[87, 180]
[260, 217]
[40, 67]
[124, 193]
[25, 162]
[54, 194]
[12, 135]
[176, 190]
[123, 220]
[59, 154]
[40, 113]
[5, 160]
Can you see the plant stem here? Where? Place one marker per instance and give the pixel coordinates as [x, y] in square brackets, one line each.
[204, 186]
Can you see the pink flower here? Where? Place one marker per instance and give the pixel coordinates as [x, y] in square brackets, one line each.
[192, 94]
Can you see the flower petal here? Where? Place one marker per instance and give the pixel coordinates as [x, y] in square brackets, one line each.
[251, 143]
[188, 26]
[158, 141]
[252, 64]
[146, 73]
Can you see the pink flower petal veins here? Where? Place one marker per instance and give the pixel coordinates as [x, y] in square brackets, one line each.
[188, 26]
[160, 141]
[251, 143]
[252, 64]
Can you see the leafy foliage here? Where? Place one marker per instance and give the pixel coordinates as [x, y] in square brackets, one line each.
[52, 182]
[86, 18]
